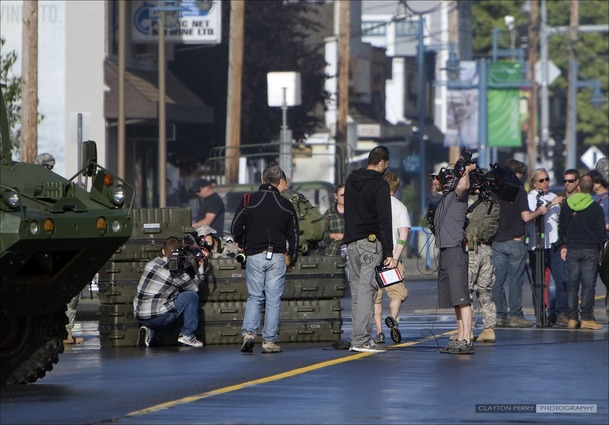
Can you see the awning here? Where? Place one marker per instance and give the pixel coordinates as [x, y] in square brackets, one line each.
[142, 97]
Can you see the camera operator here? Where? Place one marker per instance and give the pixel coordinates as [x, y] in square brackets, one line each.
[265, 225]
[449, 225]
[163, 295]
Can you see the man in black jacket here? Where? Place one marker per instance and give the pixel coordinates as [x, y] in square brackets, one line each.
[581, 228]
[266, 227]
[369, 243]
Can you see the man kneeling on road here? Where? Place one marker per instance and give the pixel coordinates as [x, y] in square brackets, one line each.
[163, 296]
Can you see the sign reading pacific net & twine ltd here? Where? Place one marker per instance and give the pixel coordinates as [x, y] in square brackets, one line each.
[197, 25]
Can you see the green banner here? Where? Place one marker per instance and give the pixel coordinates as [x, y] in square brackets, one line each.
[504, 106]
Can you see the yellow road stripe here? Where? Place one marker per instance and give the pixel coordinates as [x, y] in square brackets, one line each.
[276, 377]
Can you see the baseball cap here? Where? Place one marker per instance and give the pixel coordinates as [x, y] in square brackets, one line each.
[199, 184]
[438, 170]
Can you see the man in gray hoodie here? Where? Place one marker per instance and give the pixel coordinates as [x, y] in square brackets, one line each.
[369, 243]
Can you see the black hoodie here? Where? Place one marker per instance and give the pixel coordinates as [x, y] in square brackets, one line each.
[368, 208]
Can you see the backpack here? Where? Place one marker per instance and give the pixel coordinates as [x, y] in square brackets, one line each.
[483, 220]
[310, 222]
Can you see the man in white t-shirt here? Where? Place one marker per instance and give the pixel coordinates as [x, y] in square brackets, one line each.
[400, 226]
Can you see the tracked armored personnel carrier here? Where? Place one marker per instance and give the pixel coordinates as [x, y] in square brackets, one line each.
[55, 235]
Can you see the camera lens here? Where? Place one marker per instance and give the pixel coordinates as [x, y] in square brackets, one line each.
[241, 258]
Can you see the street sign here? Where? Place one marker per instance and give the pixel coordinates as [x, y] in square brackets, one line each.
[200, 22]
[553, 73]
[591, 157]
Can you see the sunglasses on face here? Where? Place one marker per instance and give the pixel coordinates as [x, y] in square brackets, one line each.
[569, 180]
[547, 179]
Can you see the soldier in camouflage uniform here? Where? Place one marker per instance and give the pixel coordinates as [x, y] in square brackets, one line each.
[46, 160]
[483, 217]
[217, 247]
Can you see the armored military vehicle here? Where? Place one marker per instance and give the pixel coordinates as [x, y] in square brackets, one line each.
[55, 235]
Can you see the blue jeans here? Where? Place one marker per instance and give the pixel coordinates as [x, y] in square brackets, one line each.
[186, 302]
[509, 259]
[265, 280]
[582, 266]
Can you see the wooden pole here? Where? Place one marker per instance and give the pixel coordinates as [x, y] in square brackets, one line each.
[233, 106]
[571, 132]
[532, 130]
[122, 16]
[29, 82]
[162, 157]
[453, 37]
[343, 85]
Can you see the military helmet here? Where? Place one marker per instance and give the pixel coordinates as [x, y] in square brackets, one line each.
[45, 159]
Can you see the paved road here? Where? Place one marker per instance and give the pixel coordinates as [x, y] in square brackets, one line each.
[311, 383]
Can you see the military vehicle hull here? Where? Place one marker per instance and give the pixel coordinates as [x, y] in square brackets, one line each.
[55, 235]
[52, 245]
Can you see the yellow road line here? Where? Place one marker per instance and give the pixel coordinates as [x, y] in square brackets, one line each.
[272, 378]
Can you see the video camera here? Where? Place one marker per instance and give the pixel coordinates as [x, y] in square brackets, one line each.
[499, 180]
[187, 258]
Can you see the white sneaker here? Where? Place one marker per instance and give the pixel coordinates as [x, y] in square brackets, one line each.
[190, 340]
[369, 347]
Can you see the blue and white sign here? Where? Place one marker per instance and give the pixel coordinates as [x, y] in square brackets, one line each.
[196, 25]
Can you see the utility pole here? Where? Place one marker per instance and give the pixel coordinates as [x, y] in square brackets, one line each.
[122, 16]
[233, 105]
[162, 158]
[571, 133]
[543, 50]
[532, 130]
[29, 82]
[453, 38]
[343, 83]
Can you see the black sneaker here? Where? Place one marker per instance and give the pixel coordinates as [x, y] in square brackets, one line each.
[396, 335]
[249, 339]
[451, 344]
[380, 338]
[461, 347]
[144, 337]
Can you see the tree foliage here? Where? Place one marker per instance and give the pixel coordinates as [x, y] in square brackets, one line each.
[593, 57]
[12, 94]
[275, 37]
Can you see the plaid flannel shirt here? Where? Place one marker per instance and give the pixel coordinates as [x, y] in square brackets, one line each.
[157, 289]
[334, 222]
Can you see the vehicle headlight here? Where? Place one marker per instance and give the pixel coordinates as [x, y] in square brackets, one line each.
[11, 198]
[118, 195]
[116, 226]
[34, 228]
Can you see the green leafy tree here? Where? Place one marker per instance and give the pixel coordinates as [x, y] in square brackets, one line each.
[275, 39]
[593, 49]
[12, 94]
